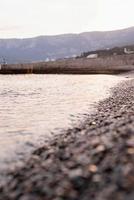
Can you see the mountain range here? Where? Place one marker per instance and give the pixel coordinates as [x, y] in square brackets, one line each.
[60, 46]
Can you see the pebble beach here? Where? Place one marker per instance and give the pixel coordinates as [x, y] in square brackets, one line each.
[91, 161]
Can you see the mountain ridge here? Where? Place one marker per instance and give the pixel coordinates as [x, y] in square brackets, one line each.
[40, 48]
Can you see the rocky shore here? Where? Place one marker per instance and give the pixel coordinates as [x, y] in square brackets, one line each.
[92, 161]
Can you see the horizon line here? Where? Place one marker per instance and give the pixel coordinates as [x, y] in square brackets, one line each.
[69, 33]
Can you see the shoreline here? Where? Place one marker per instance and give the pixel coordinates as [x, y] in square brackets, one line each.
[92, 89]
[94, 160]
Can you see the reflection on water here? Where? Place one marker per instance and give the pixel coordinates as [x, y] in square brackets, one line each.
[32, 106]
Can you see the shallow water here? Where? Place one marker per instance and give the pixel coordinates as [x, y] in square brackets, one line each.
[32, 107]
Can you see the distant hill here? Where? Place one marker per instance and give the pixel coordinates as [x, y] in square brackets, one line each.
[60, 46]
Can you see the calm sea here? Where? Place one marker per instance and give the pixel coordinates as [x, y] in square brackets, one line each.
[34, 107]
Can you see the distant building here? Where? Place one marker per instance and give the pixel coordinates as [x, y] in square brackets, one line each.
[128, 51]
[92, 56]
[47, 60]
[53, 59]
[74, 56]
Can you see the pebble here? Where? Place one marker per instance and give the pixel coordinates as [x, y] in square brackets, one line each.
[93, 168]
[130, 150]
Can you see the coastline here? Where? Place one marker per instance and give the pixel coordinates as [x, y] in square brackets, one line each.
[94, 160]
[74, 101]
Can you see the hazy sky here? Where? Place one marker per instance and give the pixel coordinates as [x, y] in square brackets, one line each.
[28, 18]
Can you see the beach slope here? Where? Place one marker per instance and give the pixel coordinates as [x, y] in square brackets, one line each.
[92, 161]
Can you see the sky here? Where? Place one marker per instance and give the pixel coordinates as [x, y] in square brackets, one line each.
[29, 18]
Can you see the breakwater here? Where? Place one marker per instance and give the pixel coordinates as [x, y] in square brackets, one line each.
[102, 65]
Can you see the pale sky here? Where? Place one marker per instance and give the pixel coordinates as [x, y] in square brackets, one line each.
[29, 18]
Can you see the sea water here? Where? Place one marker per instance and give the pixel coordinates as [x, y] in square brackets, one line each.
[35, 107]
